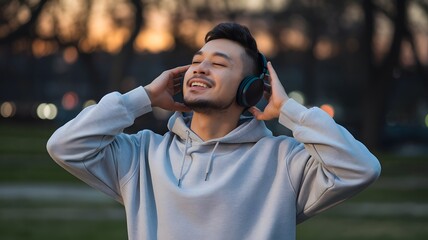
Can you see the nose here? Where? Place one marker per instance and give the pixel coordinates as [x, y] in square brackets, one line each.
[201, 68]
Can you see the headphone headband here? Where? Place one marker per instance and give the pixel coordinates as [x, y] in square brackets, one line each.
[263, 63]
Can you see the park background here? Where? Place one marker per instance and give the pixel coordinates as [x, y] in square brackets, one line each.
[365, 62]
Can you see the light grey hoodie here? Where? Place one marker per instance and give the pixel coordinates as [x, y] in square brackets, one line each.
[245, 185]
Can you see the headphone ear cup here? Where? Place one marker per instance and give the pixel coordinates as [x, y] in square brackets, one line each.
[250, 91]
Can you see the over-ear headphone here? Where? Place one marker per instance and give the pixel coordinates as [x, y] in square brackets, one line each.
[251, 88]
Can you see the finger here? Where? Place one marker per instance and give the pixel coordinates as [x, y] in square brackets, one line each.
[179, 77]
[177, 89]
[179, 71]
[272, 73]
[256, 112]
[177, 81]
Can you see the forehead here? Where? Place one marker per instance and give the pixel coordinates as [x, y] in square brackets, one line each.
[225, 47]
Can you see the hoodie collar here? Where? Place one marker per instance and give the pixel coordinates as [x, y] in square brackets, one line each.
[249, 130]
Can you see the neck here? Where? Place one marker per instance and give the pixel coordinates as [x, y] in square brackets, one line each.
[214, 124]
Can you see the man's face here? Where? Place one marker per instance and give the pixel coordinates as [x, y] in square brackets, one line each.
[213, 78]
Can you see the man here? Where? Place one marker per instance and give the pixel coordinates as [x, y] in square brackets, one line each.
[215, 174]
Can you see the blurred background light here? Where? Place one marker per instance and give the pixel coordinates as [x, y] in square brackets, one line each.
[157, 36]
[70, 100]
[43, 48]
[7, 109]
[47, 111]
[70, 55]
[297, 96]
[266, 43]
[426, 120]
[329, 109]
[294, 39]
[324, 49]
[89, 103]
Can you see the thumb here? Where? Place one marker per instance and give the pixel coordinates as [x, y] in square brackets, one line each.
[256, 112]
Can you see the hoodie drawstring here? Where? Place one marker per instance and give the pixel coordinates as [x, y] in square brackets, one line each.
[208, 169]
[184, 158]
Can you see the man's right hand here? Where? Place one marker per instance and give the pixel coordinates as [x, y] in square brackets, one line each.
[164, 87]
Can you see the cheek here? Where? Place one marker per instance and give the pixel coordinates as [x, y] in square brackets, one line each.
[231, 86]
[187, 75]
[235, 82]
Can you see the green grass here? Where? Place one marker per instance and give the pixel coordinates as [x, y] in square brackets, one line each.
[318, 228]
[62, 229]
[23, 155]
[395, 166]
[354, 228]
[23, 159]
[18, 138]
[32, 168]
[391, 195]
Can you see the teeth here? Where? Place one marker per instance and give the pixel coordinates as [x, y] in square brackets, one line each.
[199, 84]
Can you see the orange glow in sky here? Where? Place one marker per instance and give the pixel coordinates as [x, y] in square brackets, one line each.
[156, 37]
[107, 24]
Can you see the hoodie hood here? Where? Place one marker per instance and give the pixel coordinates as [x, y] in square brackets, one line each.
[249, 130]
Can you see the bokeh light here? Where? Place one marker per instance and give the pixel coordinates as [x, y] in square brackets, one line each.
[7, 109]
[70, 100]
[265, 43]
[42, 48]
[47, 111]
[89, 103]
[329, 109]
[297, 96]
[324, 49]
[294, 39]
[70, 55]
[426, 120]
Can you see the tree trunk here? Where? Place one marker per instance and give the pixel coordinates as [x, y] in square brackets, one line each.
[380, 80]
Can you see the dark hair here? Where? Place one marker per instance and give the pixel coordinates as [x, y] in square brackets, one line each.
[240, 34]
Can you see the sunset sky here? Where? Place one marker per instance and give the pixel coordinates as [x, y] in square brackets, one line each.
[107, 24]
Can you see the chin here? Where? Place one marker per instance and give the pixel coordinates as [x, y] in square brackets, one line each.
[206, 106]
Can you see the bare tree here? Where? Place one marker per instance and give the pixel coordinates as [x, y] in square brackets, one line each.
[381, 79]
[25, 29]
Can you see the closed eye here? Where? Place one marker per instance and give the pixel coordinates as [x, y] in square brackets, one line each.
[219, 64]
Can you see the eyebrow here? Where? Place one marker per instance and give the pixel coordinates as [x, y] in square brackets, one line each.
[218, 54]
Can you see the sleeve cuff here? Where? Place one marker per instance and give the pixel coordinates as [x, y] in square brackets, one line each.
[137, 101]
[291, 114]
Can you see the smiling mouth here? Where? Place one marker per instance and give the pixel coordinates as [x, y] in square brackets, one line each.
[199, 84]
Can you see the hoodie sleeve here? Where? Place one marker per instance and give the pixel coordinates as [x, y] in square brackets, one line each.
[330, 165]
[90, 145]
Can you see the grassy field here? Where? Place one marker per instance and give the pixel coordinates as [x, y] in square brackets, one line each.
[395, 207]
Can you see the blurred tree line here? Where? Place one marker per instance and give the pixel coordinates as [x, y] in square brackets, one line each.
[369, 57]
